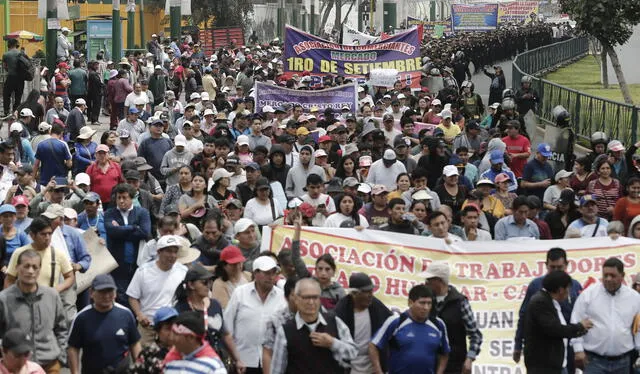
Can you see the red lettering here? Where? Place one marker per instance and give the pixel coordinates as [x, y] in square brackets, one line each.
[475, 271]
[508, 270]
[368, 259]
[523, 271]
[493, 272]
[354, 259]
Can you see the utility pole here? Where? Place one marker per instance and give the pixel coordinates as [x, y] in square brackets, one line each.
[7, 20]
[175, 20]
[312, 20]
[116, 32]
[131, 23]
[143, 41]
[280, 32]
[51, 35]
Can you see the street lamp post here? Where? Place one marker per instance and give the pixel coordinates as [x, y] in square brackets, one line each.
[116, 32]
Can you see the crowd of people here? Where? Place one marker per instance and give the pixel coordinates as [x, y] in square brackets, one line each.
[179, 191]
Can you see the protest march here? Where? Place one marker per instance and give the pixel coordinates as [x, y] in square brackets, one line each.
[312, 206]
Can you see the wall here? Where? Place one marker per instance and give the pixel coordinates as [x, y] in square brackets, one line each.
[24, 17]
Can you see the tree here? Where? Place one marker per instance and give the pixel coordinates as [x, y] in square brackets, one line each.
[611, 22]
[222, 13]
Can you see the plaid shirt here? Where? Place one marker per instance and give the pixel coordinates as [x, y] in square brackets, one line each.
[470, 325]
[281, 317]
[343, 349]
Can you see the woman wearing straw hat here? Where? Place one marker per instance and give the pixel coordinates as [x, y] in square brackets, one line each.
[85, 150]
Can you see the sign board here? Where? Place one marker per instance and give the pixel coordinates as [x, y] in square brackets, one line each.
[474, 17]
[320, 57]
[493, 275]
[517, 12]
[102, 262]
[335, 97]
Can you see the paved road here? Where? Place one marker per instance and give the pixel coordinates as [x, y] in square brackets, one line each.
[482, 82]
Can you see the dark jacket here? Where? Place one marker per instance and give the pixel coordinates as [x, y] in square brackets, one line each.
[378, 313]
[450, 311]
[274, 173]
[544, 334]
[210, 252]
[137, 229]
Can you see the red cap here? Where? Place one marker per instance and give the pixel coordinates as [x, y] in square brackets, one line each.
[232, 255]
[325, 138]
[63, 65]
[306, 73]
[20, 200]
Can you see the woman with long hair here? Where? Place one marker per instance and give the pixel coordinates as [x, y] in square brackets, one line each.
[193, 295]
[403, 183]
[347, 167]
[581, 176]
[347, 207]
[110, 139]
[605, 188]
[22, 147]
[221, 182]
[193, 206]
[229, 274]
[262, 209]
[324, 272]
[566, 212]
[173, 194]
[85, 150]
[629, 206]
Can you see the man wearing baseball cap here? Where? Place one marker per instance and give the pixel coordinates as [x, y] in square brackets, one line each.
[154, 283]
[104, 331]
[132, 123]
[389, 129]
[193, 355]
[589, 225]
[16, 352]
[21, 203]
[245, 313]
[538, 173]
[455, 310]
[386, 170]
[361, 311]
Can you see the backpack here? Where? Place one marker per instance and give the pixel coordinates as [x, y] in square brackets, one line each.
[25, 68]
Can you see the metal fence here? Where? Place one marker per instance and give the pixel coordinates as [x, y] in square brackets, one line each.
[588, 113]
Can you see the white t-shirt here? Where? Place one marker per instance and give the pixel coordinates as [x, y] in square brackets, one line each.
[482, 236]
[336, 219]
[262, 214]
[552, 195]
[154, 288]
[361, 336]
[390, 136]
[325, 199]
[194, 146]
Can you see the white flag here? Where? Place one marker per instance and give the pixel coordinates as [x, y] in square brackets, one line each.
[63, 10]
[185, 7]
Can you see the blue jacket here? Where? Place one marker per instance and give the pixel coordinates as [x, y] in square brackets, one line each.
[534, 287]
[83, 223]
[126, 236]
[77, 247]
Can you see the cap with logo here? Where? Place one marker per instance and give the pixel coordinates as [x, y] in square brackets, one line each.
[544, 149]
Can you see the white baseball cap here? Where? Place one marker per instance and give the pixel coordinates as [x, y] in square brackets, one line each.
[208, 112]
[437, 269]
[268, 109]
[450, 170]
[82, 178]
[243, 140]
[180, 140]
[265, 263]
[16, 126]
[26, 112]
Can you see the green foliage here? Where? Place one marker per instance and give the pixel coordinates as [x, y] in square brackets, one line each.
[222, 13]
[609, 21]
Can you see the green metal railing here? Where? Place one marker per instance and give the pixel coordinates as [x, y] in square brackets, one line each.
[588, 113]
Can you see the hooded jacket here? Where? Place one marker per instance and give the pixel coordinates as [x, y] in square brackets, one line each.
[634, 221]
[494, 144]
[297, 176]
[172, 160]
[273, 172]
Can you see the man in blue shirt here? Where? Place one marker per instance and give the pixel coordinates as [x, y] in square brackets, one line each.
[538, 173]
[91, 217]
[104, 331]
[417, 343]
[556, 260]
[53, 158]
[497, 167]
[517, 225]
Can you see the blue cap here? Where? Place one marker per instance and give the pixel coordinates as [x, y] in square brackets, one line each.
[133, 111]
[587, 199]
[103, 282]
[208, 69]
[544, 149]
[92, 197]
[252, 165]
[7, 208]
[496, 157]
[164, 314]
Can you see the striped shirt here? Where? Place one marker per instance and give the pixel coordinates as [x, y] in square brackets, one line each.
[61, 90]
[196, 365]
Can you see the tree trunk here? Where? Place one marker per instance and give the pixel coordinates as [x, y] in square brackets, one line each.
[604, 69]
[325, 15]
[347, 15]
[619, 75]
[337, 24]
